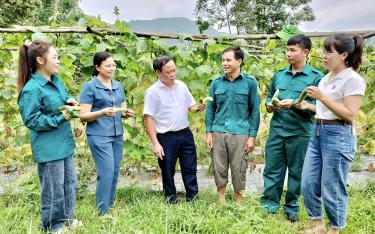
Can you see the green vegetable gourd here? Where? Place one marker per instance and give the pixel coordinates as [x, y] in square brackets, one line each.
[72, 110]
[275, 101]
[120, 109]
[207, 99]
[302, 97]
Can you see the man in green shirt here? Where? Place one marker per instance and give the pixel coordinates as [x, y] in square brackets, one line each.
[290, 129]
[232, 121]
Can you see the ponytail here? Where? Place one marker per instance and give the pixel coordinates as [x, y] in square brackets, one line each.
[23, 68]
[355, 58]
[343, 43]
[27, 63]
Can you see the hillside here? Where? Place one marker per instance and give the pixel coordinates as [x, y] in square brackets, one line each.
[175, 25]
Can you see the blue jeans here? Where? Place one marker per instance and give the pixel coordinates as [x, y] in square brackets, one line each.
[325, 172]
[107, 153]
[58, 192]
[179, 145]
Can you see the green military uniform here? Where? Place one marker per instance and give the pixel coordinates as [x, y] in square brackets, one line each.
[50, 133]
[288, 139]
[235, 106]
[232, 117]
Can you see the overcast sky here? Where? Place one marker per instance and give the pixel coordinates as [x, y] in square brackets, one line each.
[331, 15]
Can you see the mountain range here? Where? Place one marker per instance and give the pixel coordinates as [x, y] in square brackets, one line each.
[171, 25]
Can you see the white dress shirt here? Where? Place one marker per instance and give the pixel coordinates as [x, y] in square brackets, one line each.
[168, 106]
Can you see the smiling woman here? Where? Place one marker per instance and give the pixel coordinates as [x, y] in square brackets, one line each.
[40, 94]
[332, 148]
[100, 98]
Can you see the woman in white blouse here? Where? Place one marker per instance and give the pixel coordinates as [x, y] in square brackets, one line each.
[332, 147]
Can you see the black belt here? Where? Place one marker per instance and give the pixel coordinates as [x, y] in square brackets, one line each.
[331, 122]
[177, 132]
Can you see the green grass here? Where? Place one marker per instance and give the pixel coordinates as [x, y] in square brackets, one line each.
[138, 210]
[357, 163]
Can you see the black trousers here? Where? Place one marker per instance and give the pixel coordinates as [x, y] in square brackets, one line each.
[179, 145]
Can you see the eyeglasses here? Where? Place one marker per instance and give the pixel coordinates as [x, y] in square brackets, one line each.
[326, 53]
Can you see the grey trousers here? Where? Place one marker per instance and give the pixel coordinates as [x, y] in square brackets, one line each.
[228, 151]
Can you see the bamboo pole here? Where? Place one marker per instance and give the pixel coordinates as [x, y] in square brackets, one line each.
[104, 31]
[369, 34]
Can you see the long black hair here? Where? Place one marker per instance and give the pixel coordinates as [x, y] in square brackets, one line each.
[27, 63]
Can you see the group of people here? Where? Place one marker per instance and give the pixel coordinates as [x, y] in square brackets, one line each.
[313, 140]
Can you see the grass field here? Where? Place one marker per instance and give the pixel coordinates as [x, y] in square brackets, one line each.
[139, 210]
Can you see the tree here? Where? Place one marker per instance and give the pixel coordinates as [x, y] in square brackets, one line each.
[202, 25]
[270, 15]
[254, 16]
[18, 11]
[216, 12]
[39, 12]
[116, 12]
[58, 11]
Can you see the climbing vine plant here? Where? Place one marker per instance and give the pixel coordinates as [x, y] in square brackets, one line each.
[197, 64]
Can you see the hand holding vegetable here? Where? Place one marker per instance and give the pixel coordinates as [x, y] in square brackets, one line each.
[275, 100]
[274, 104]
[302, 97]
[315, 92]
[108, 111]
[127, 111]
[207, 100]
[286, 104]
[72, 102]
[72, 111]
[303, 105]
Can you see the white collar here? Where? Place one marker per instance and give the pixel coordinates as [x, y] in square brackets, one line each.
[340, 75]
[160, 84]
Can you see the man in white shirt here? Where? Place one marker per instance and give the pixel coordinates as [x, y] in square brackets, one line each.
[165, 113]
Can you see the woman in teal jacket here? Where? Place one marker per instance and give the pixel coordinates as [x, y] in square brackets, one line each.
[40, 94]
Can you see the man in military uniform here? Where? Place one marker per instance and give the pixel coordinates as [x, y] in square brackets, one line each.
[290, 129]
[232, 122]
